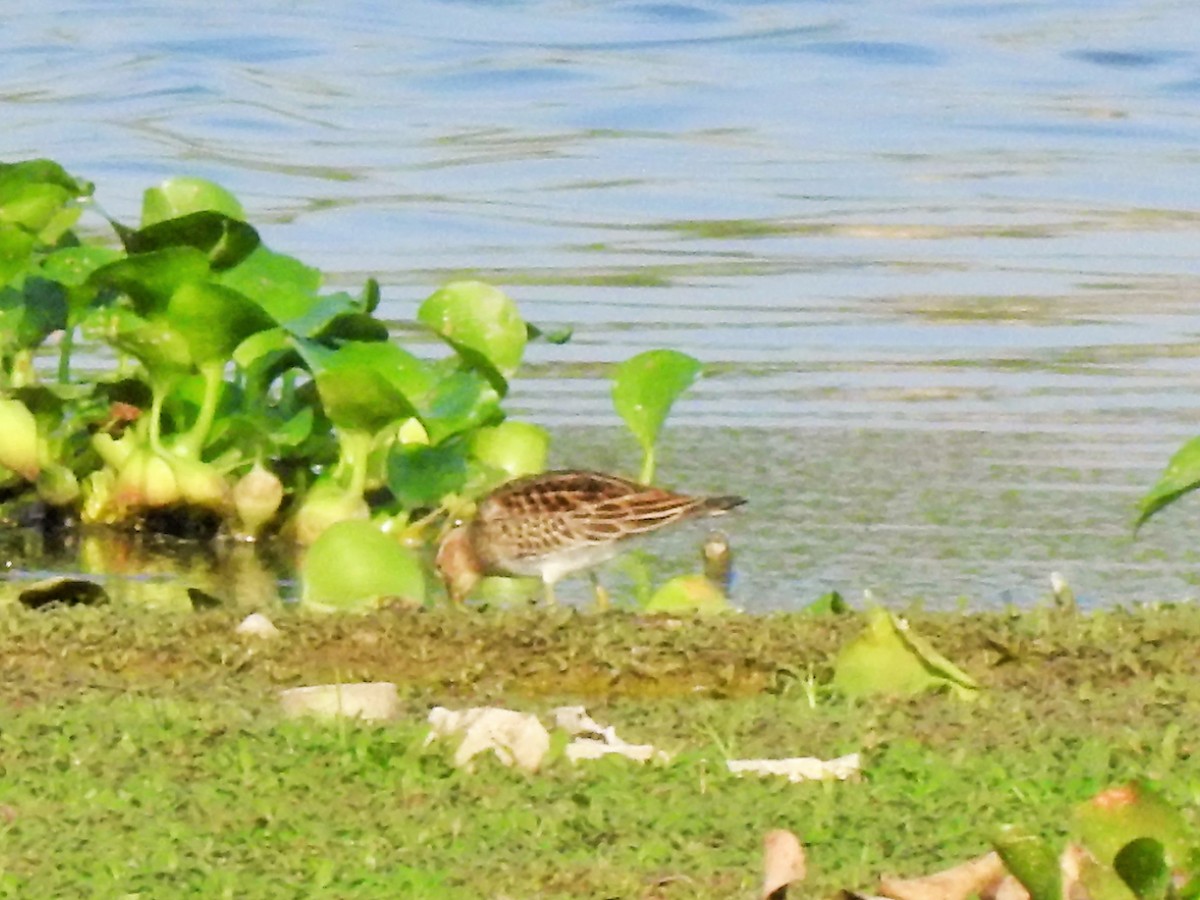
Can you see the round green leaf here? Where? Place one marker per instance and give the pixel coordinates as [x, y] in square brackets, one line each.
[214, 319]
[158, 346]
[420, 475]
[180, 196]
[647, 385]
[151, 279]
[458, 402]
[367, 386]
[40, 171]
[336, 317]
[30, 315]
[225, 240]
[354, 567]
[481, 323]
[33, 206]
[282, 285]
[73, 266]
[689, 594]
[16, 251]
[516, 448]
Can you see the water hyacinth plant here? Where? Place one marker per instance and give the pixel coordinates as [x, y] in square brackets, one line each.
[644, 389]
[244, 397]
[238, 378]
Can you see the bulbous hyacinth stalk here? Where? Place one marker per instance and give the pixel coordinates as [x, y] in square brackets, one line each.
[257, 496]
[145, 481]
[18, 439]
[99, 489]
[114, 451]
[325, 504]
[200, 484]
[57, 485]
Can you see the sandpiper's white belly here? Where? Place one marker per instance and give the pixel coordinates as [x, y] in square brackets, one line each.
[553, 566]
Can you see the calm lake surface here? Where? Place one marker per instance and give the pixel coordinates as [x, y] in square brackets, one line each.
[941, 258]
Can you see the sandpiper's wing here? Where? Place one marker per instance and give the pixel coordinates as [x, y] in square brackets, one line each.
[564, 510]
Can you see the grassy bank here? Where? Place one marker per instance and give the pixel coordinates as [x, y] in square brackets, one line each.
[145, 755]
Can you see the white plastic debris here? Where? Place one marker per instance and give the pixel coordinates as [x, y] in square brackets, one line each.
[516, 738]
[574, 720]
[371, 701]
[591, 748]
[593, 740]
[800, 768]
[257, 625]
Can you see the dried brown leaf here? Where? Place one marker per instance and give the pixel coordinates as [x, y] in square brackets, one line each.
[783, 863]
[974, 877]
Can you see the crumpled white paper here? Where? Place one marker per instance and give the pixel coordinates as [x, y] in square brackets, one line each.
[516, 738]
[520, 739]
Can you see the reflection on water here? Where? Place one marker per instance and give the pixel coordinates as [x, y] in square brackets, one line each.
[150, 571]
[918, 238]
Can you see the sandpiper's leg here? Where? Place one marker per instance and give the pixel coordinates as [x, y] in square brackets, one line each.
[550, 599]
[602, 598]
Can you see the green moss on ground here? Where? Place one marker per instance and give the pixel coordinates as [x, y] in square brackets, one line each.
[145, 754]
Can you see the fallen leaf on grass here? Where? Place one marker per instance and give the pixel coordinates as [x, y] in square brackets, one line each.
[1073, 864]
[1128, 833]
[889, 658]
[783, 863]
[1114, 817]
[1009, 889]
[977, 877]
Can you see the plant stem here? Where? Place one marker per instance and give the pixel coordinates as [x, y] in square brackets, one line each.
[65, 346]
[648, 465]
[158, 393]
[193, 442]
[355, 451]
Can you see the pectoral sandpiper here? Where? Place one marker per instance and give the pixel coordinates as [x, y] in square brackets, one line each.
[556, 523]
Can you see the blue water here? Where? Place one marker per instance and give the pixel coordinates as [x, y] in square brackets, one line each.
[923, 234]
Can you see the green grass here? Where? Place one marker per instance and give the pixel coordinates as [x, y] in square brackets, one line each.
[144, 755]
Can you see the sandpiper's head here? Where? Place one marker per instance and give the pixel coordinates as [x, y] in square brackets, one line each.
[458, 563]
